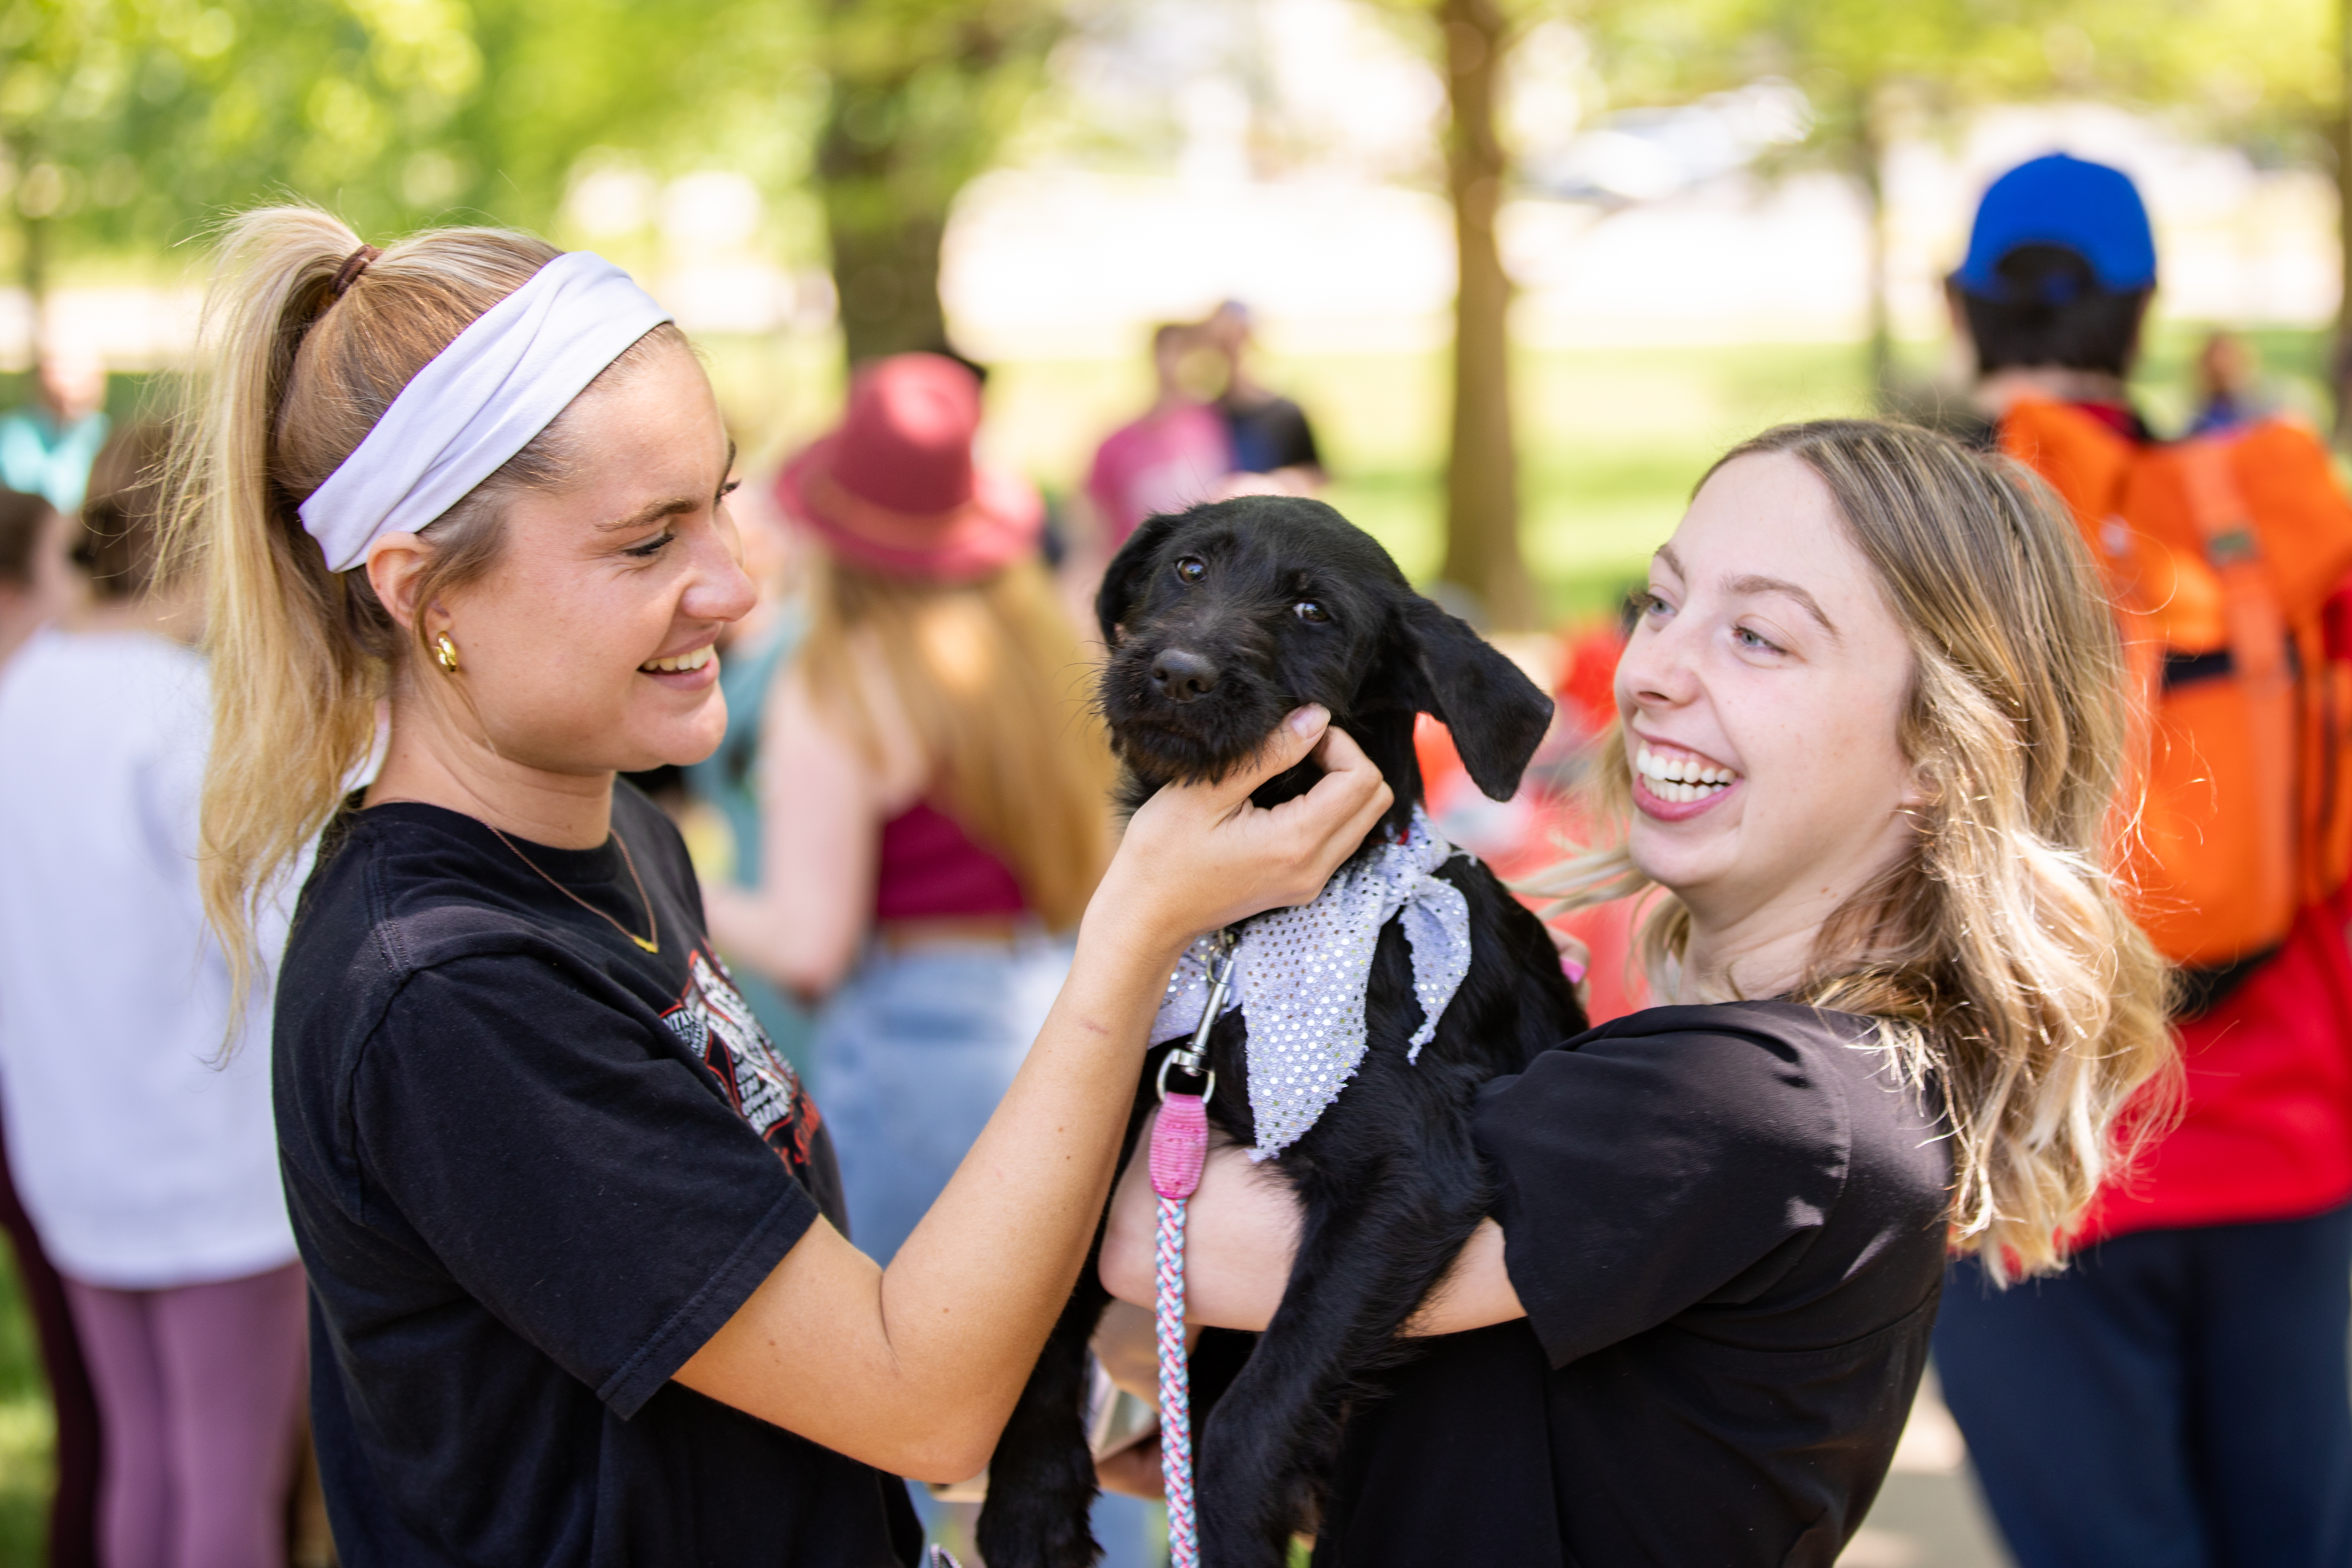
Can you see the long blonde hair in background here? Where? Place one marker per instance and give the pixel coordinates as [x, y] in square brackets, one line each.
[997, 692]
[1998, 956]
[289, 377]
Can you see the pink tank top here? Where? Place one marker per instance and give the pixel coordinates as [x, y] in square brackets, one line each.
[930, 869]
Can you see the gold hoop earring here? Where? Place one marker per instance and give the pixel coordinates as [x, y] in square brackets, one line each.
[444, 654]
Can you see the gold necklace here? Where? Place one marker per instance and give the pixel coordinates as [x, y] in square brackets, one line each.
[652, 921]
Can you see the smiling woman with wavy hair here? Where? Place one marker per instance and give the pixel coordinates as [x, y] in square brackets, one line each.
[1873, 728]
[1999, 953]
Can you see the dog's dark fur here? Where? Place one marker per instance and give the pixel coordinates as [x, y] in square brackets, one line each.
[1213, 640]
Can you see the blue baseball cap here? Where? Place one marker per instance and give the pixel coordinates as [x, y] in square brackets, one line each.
[2090, 209]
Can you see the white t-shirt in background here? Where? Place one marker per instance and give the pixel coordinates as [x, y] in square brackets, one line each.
[144, 1159]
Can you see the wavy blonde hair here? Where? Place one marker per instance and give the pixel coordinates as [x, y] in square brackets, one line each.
[290, 375]
[993, 685]
[1998, 956]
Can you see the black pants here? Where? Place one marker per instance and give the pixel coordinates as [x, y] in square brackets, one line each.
[2176, 1399]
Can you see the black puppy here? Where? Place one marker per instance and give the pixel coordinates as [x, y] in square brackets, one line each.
[1221, 621]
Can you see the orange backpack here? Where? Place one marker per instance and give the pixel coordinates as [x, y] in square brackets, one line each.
[2226, 558]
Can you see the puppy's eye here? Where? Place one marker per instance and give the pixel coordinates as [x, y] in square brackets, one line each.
[1192, 568]
[1308, 610]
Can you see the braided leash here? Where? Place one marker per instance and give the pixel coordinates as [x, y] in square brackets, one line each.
[1180, 1147]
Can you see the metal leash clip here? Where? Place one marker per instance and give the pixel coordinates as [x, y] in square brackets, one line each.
[1194, 1058]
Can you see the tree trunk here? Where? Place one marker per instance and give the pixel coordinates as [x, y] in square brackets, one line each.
[1481, 484]
[883, 235]
[2340, 133]
[1870, 154]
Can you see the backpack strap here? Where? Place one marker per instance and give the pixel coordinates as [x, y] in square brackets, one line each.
[2090, 466]
[2257, 627]
[2263, 664]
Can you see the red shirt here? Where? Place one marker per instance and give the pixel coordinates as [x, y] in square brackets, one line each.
[2266, 1125]
[2266, 1120]
[930, 868]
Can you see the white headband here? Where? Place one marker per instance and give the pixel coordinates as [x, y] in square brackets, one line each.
[502, 382]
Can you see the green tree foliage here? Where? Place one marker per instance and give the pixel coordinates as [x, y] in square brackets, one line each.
[153, 114]
[129, 123]
[2269, 74]
[1869, 69]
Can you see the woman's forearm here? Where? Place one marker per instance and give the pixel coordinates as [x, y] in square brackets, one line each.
[1031, 1188]
[934, 1351]
[1475, 1293]
[916, 1369]
[1240, 1238]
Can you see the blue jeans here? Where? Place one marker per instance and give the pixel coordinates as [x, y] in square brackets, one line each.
[2176, 1399]
[914, 1051]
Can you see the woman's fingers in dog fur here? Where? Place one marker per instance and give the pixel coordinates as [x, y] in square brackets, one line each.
[1308, 837]
[1334, 816]
[1291, 743]
[1202, 857]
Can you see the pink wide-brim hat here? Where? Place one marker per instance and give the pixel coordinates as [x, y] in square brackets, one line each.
[894, 487]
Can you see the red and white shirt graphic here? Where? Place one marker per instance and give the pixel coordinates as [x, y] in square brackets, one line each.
[714, 1023]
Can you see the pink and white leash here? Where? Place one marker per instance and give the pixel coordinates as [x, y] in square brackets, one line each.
[1180, 1147]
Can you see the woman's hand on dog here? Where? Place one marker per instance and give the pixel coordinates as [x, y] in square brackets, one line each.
[1198, 856]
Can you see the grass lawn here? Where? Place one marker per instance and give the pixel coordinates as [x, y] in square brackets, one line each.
[27, 1434]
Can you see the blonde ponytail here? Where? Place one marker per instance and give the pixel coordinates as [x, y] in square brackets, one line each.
[297, 358]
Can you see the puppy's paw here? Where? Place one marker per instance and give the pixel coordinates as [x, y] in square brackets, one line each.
[1229, 1541]
[1039, 1522]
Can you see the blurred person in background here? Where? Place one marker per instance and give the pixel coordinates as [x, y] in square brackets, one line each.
[1172, 458]
[1270, 434]
[2177, 1396]
[1177, 452]
[2229, 384]
[35, 588]
[754, 652]
[36, 584]
[48, 446]
[935, 794]
[136, 1083]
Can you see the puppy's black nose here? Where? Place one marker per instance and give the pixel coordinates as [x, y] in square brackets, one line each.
[1180, 676]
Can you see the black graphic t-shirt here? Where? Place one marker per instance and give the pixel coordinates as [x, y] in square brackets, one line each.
[533, 1168]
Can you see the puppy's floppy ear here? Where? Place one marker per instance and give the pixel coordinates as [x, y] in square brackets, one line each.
[1122, 582]
[1497, 715]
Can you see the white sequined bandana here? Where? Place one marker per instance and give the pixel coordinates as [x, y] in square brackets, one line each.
[1299, 976]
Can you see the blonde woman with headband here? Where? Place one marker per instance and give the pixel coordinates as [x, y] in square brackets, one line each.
[1872, 733]
[578, 1293]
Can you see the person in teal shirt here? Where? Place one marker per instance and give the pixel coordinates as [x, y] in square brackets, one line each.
[48, 446]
